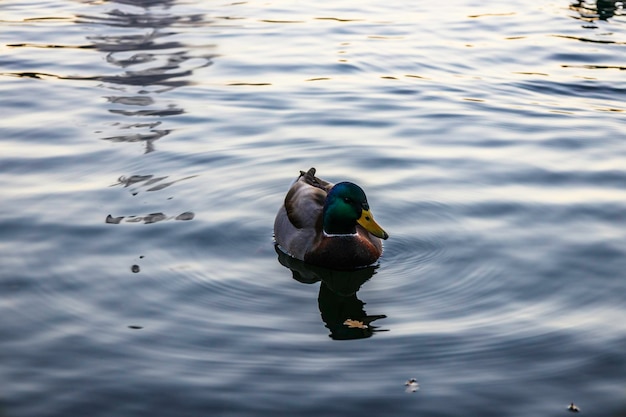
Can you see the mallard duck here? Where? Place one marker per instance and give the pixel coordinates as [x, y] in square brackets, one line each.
[328, 225]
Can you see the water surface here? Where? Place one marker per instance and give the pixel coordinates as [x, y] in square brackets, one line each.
[147, 145]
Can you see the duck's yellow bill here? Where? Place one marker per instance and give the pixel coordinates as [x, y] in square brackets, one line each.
[367, 221]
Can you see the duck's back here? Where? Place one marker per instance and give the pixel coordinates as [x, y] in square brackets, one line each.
[298, 223]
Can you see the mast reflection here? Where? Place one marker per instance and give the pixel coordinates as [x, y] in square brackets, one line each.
[143, 45]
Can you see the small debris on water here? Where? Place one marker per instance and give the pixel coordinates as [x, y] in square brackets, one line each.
[135, 268]
[412, 385]
[573, 408]
[135, 327]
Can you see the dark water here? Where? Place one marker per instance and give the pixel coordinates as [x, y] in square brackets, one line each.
[146, 147]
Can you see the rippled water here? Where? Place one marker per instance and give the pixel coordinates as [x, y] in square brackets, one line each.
[146, 147]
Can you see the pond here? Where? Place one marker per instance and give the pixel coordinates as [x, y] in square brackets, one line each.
[147, 146]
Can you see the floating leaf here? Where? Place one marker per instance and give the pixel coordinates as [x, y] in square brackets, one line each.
[355, 324]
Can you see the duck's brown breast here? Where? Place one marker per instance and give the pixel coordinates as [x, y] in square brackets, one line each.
[345, 251]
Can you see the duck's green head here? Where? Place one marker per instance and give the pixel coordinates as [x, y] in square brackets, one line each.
[346, 205]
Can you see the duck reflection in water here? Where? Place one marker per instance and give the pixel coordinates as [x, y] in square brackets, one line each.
[341, 309]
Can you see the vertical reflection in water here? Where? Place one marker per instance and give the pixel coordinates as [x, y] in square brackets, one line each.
[602, 10]
[152, 64]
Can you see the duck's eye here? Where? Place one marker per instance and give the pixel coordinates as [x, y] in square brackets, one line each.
[347, 200]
